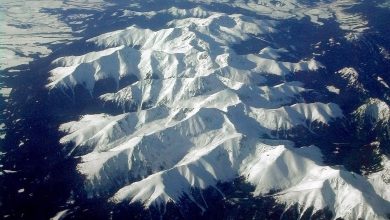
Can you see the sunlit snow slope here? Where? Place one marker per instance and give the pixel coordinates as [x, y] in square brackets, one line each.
[193, 113]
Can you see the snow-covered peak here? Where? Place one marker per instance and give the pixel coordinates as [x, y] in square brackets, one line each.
[194, 113]
[220, 27]
[351, 76]
[375, 110]
[297, 174]
[183, 51]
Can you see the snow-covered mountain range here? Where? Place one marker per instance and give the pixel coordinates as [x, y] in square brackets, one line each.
[178, 109]
[196, 113]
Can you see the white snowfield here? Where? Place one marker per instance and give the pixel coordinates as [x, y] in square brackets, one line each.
[30, 28]
[199, 114]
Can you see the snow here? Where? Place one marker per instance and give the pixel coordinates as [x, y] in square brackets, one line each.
[385, 5]
[333, 89]
[380, 180]
[355, 24]
[168, 48]
[299, 175]
[5, 92]
[383, 82]
[376, 110]
[9, 171]
[351, 76]
[295, 172]
[60, 215]
[2, 130]
[287, 117]
[196, 111]
[29, 29]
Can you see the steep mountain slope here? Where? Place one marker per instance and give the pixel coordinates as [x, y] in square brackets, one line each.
[180, 109]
